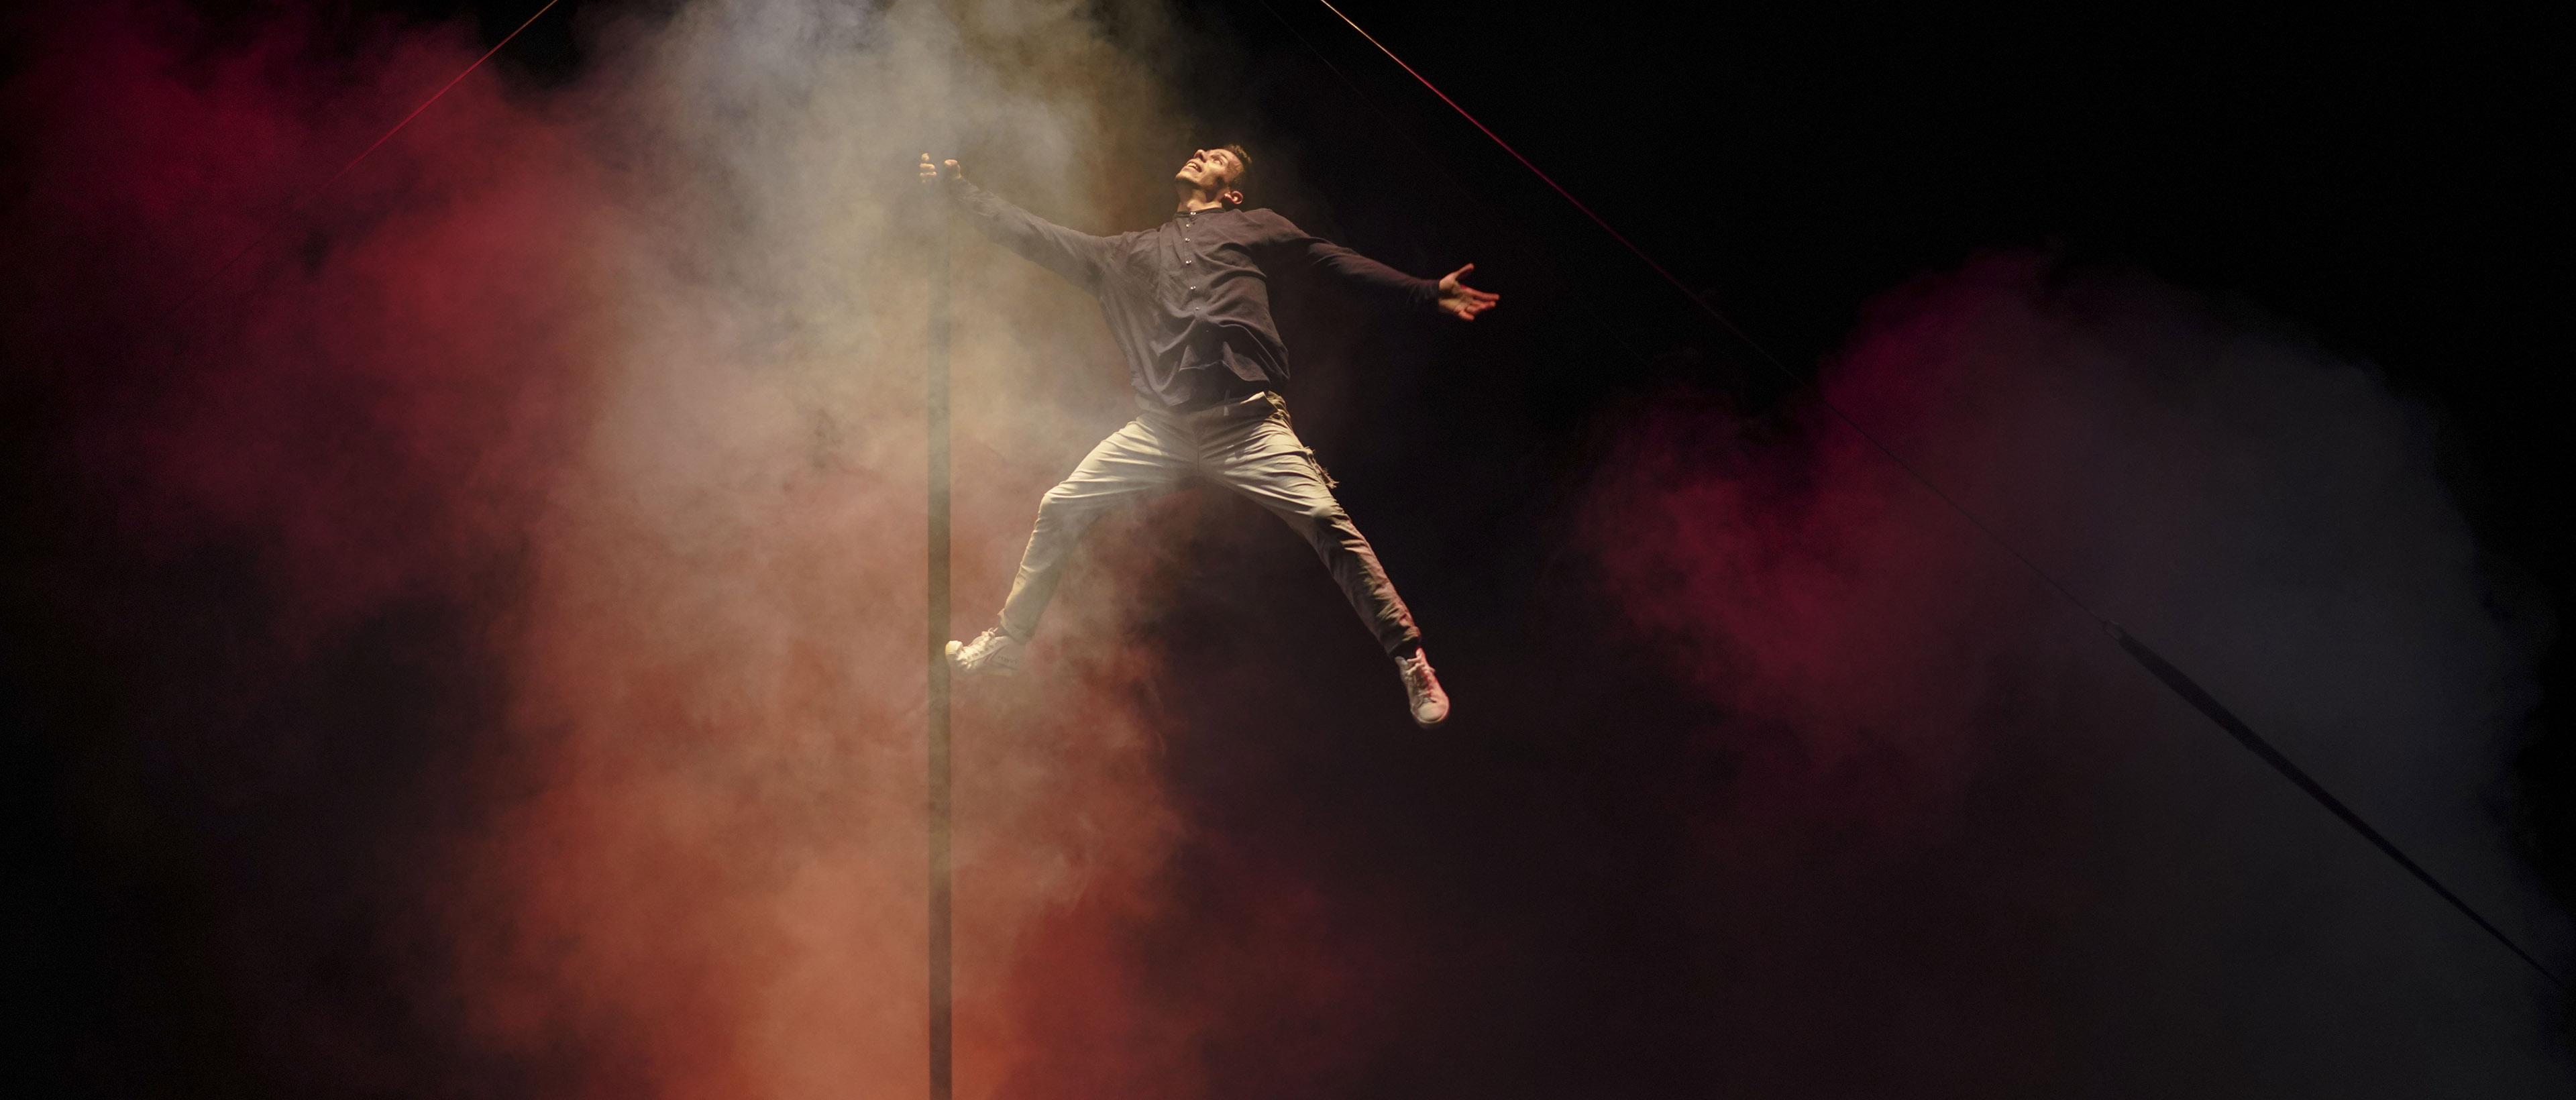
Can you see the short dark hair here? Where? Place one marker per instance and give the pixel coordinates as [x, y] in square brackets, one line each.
[1242, 158]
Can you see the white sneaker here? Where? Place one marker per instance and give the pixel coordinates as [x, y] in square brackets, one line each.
[1430, 704]
[992, 653]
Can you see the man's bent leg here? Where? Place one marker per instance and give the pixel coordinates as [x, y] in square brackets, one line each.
[1135, 463]
[1270, 465]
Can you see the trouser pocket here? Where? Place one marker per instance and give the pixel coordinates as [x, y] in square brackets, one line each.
[1279, 415]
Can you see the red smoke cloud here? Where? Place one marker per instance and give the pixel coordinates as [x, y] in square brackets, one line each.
[652, 822]
[401, 358]
[1851, 622]
[1888, 851]
[1956, 821]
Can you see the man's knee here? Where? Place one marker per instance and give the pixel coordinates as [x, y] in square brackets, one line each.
[1324, 523]
[1060, 504]
[1071, 509]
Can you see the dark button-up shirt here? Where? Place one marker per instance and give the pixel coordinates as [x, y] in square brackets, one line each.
[1189, 300]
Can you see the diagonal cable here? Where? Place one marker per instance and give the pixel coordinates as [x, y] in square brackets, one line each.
[2155, 664]
[1724, 321]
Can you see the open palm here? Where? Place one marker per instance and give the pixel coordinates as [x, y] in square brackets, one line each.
[1463, 301]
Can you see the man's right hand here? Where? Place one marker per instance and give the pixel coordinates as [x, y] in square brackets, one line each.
[933, 173]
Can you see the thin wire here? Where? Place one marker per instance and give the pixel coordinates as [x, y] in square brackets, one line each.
[317, 192]
[1518, 238]
[1528, 251]
[2173, 678]
[2199, 697]
[1731, 327]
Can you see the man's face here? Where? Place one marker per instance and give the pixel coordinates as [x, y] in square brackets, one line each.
[1210, 170]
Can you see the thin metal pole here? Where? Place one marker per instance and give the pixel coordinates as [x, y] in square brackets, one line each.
[935, 388]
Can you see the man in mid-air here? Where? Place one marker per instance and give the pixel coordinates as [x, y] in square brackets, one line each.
[1189, 304]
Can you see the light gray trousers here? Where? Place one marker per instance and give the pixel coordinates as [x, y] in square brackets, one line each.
[1246, 446]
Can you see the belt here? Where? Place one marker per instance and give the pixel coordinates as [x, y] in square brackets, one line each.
[1255, 405]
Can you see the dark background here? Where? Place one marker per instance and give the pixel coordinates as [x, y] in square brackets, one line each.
[2382, 186]
[2387, 187]
[2390, 187]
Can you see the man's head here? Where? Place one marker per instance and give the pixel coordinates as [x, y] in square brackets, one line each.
[1215, 174]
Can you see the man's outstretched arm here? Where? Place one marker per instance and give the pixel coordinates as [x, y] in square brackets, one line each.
[1074, 255]
[1448, 293]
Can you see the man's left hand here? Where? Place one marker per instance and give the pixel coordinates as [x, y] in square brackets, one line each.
[1462, 301]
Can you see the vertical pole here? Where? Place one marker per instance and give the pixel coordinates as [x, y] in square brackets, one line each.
[935, 379]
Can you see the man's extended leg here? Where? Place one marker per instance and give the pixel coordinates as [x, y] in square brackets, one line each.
[1265, 460]
[1354, 565]
[1135, 463]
